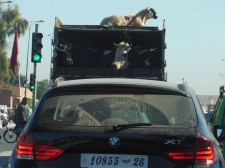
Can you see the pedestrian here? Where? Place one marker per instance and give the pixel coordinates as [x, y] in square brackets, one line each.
[20, 117]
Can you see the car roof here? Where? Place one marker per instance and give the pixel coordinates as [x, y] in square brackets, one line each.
[180, 88]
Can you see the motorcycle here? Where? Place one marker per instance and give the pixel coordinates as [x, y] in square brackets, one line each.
[9, 134]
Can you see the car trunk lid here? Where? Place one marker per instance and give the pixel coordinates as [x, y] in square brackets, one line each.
[159, 144]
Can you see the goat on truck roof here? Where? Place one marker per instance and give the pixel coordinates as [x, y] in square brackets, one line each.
[130, 20]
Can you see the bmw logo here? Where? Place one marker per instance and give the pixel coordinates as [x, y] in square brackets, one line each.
[114, 142]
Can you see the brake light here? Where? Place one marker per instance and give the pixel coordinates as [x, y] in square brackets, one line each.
[181, 155]
[47, 153]
[24, 148]
[27, 150]
[205, 153]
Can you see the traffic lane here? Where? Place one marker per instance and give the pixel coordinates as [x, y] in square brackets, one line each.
[4, 157]
[5, 151]
[5, 148]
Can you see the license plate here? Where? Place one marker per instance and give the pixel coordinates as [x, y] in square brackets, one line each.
[113, 161]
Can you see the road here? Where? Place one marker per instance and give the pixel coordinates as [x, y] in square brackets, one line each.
[5, 149]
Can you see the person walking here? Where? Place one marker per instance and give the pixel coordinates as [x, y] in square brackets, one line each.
[20, 117]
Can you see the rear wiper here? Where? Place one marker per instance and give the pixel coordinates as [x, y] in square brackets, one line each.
[122, 126]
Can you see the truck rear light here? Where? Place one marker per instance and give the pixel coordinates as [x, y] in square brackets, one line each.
[26, 149]
[204, 154]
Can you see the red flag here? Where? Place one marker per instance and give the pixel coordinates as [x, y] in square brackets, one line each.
[15, 52]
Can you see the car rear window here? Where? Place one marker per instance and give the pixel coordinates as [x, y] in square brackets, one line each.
[110, 109]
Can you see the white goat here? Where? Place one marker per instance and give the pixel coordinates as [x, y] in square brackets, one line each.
[133, 57]
[131, 20]
[121, 58]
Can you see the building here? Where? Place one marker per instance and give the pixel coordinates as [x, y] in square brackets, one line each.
[207, 100]
[12, 95]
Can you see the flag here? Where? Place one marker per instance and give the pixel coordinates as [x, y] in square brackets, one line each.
[15, 52]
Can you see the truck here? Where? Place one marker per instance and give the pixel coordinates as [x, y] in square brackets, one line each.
[78, 51]
[218, 116]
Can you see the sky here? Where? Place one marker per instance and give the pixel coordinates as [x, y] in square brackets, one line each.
[195, 34]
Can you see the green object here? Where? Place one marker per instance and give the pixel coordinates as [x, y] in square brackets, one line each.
[37, 57]
[32, 87]
[218, 117]
[32, 82]
[36, 47]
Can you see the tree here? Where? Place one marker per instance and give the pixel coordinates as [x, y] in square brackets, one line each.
[41, 87]
[9, 17]
[14, 79]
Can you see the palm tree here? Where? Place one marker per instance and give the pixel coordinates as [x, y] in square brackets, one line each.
[9, 17]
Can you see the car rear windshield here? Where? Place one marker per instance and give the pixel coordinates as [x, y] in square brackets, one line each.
[113, 109]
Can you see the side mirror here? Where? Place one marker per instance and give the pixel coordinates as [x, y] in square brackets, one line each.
[219, 132]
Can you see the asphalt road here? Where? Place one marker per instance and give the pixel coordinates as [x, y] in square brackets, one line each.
[5, 148]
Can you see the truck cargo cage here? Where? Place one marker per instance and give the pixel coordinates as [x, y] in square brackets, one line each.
[79, 51]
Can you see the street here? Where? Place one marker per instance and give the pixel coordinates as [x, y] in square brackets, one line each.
[5, 148]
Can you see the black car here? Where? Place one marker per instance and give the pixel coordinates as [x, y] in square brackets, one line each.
[117, 123]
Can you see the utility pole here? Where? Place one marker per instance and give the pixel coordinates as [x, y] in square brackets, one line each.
[28, 47]
[35, 72]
